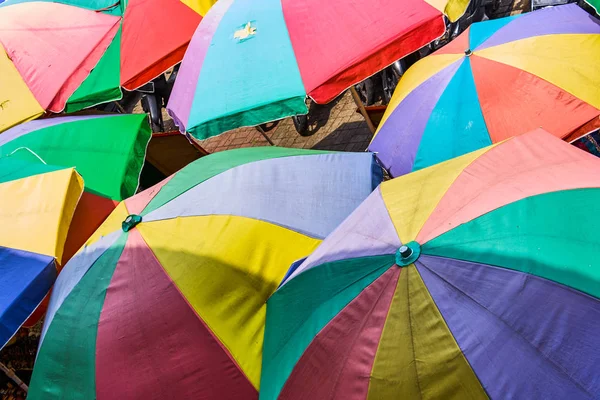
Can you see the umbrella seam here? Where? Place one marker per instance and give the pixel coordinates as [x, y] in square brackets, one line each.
[562, 285]
[552, 61]
[375, 304]
[78, 66]
[210, 330]
[411, 334]
[284, 344]
[489, 186]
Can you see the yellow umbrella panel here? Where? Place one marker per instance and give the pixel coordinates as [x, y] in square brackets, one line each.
[35, 214]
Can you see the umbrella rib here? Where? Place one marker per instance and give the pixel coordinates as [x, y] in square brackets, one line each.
[493, 238]
[547, 59]
[362, 325]
[287, 340]
[237, 215]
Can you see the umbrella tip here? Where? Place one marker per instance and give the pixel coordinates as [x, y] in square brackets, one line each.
[405, 251]
[130, 222]
[468, 52]
[408, 254]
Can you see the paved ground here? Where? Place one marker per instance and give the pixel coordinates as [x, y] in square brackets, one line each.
[512, 7]
[334, 126]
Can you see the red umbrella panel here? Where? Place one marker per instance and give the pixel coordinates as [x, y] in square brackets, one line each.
[155, 36]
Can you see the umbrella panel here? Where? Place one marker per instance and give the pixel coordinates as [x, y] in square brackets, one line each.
[26, 279]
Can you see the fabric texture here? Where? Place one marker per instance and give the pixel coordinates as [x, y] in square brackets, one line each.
[17, 103]
[398, 142]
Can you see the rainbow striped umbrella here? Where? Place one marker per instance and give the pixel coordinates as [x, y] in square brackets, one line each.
[167, 300]
[107, 150]
[477, 277]
[40, 71]
[498, 79]
[252, 62]
[150, 38]
[37, 205]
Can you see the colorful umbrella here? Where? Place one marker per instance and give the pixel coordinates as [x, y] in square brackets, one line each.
[153, 37]
[107, 150]
[253, 62]
[38, 202]
[167, 300]
[478, 277]
[40, 72]
[498, 79]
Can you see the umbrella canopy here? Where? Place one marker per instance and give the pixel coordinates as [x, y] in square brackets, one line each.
[498, 79]
[107, 150]
[253, 62]
[152, 38]
[478, 277]
[167, 300]
[40, 72]
[38, 203]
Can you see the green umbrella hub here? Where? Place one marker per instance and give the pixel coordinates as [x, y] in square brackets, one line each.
[408, 254]
[130, 222]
